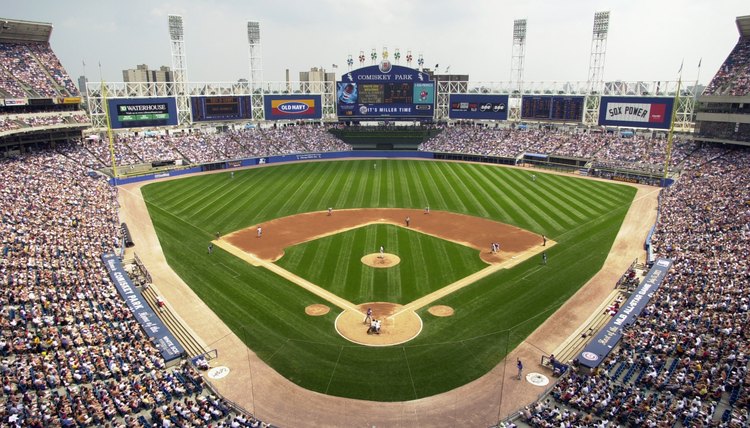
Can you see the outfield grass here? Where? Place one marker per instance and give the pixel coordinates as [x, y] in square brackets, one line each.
[492, 315]
[427, 264]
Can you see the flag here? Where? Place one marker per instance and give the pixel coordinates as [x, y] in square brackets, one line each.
[699, 62]
[334, 66]
[436, 66]
[83, 62]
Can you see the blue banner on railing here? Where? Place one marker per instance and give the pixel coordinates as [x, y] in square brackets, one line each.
[598, 349]
[153, 326]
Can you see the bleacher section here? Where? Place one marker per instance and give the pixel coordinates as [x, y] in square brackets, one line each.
[32, 70]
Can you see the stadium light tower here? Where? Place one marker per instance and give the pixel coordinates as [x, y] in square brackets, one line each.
[179, 69]
[598, 50]
[516, 68]
[256, 68]
[596, 67]
[256, 61]
[519, 48]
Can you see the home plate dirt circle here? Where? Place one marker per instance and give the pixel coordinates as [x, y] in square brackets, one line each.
[317, 310]
[397, 325]
[378, 260]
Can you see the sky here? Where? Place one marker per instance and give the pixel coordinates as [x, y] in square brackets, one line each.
[647, 41]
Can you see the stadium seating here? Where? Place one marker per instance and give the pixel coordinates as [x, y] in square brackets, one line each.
[733, 77]
[32, 70]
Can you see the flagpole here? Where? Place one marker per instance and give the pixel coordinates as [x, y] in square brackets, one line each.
[671, 126]
[103, 88]
[697, 78]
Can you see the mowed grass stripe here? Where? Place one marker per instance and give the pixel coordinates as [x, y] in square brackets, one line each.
[339, 258]
[341, 187]
[565, 206]
[444, 185]
[489, 192]
[416, 185]
[413, 257]
[376, 184]
[403, 186]
[244, 191]
[303, 195]
[367, 276]
[529, 215]
[603, 196]
[536, 207]
[470, 201]
[433, 193]
[359, 192]
[581, 208]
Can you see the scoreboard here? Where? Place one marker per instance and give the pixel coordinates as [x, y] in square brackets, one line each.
[385, 91]
[221, 108]
[552, 107]
[388, 93]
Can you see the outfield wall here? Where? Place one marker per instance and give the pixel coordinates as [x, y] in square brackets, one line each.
[300, 157]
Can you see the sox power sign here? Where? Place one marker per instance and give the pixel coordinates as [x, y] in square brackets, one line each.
[637, 112]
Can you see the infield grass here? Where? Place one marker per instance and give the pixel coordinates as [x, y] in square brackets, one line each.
[427, 264]
[491, 316]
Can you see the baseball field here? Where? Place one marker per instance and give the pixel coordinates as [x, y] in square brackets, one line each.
[490, 316]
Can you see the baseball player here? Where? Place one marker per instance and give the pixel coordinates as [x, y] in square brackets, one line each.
[519, 365]
[369, 315]
[544, 241]
[382, 252]
[330, 211]
[408, 220]
[260, 231]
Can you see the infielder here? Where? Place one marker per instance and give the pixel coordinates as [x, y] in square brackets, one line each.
[260, 231]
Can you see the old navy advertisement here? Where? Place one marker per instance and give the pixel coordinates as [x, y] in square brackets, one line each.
[478, 107]
[292, 107]
[385, 91]
[601, 345]
[636, 112]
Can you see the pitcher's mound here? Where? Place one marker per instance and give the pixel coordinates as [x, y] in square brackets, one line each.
[397, 326]
[317, 310]
[440, 310]
[378, 260]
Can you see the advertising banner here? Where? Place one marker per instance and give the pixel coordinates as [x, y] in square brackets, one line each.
[601, 345]
[636, 112]
[16, 101]
[167, 344]
[142, 112]
[292, 107]
[478, 107]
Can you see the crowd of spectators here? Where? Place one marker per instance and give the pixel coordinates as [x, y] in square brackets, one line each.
[685, 360]
[71, 352]
[608, 150]
[198, 147]
[733, 77]
[32, 70]
[13, 122]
